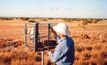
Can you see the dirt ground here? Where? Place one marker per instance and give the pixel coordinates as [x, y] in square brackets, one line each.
[90, 44]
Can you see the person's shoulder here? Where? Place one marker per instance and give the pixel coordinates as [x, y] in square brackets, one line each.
[63, 43]
[64, 40]
[69, 39]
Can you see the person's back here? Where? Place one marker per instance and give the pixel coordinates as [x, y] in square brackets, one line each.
[64, 51]
[67, 51]
[71, 51]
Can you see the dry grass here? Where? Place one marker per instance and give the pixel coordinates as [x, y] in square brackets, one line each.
[89, 47]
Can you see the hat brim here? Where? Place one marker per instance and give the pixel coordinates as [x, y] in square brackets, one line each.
[57, 29]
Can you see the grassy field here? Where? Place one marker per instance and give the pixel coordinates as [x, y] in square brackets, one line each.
[90, 43]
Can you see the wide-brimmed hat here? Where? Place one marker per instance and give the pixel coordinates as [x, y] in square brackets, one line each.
[62, 28]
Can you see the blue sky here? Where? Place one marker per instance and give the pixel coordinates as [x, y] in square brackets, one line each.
[54, 8]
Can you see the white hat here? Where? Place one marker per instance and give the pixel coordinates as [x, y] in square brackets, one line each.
[62, 28]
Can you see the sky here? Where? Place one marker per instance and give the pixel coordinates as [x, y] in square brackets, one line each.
[54, 8]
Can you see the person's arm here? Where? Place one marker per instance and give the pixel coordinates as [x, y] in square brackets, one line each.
[55, 34]
[53, 31]
[59, 52]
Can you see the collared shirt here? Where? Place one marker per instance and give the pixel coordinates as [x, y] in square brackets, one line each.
[64, 52]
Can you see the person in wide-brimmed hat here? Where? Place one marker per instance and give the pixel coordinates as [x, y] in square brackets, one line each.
[64, 51]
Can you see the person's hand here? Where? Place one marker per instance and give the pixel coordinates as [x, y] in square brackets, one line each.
[49, 53]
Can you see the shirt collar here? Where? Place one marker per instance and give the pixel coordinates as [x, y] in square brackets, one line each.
[60, 40]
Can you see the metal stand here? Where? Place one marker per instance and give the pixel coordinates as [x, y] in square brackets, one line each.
[49, 26]
[42, 57]
[36, 36]
[42, 52]
[25, 35]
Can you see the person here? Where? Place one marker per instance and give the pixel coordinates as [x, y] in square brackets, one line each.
[64, 51]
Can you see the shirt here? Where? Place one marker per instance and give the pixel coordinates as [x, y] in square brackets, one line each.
[64, 52]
